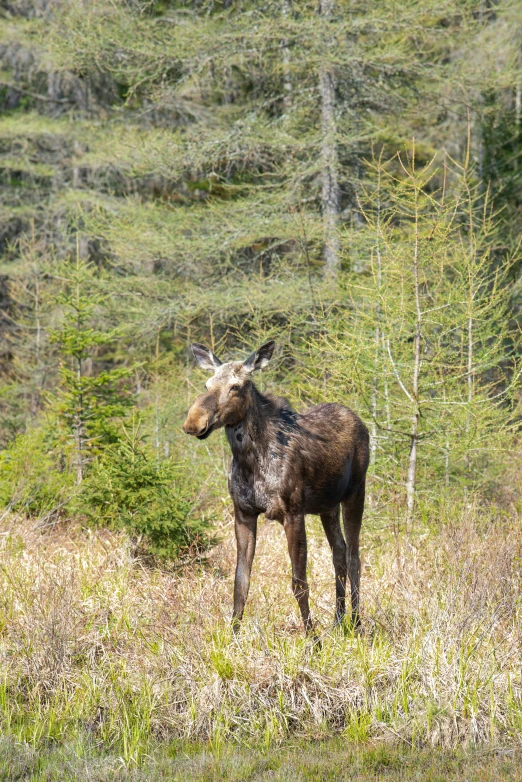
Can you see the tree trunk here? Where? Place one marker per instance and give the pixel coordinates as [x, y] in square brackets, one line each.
[156, 399]
[373, 435]
[415, 418]
[78, 429]
[330, 196]
[228, 96]
[287, 80]
[373, 440]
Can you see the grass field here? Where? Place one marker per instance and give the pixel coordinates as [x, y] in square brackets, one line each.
[304, 762]
[114, 670]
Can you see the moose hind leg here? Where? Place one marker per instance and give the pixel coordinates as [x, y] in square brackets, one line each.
[353, 507]
[246, 530]
[332, 528]
[295, 531]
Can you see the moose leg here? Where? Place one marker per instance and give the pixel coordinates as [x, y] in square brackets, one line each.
[246, 529]
[332, 528]
[353, 507]
[295, 531]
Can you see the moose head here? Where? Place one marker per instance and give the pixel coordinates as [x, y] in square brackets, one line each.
[227, 398]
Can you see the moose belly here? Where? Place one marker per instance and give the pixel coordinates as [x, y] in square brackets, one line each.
[322, 495]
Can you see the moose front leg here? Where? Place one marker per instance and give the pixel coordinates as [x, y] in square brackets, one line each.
[295, 531]
[246, 529]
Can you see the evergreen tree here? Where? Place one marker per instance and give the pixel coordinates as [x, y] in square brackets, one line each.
[275, 105]
[86, 403]
[131, 487]
[31, 368]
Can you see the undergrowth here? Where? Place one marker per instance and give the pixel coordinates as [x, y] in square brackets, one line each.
[94, 642]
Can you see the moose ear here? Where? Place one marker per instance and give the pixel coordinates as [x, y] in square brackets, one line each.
[204, 357]
[259, 357]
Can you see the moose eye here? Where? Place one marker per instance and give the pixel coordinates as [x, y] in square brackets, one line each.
[235, 387]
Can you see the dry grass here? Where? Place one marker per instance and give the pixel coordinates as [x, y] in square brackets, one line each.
[92, 643]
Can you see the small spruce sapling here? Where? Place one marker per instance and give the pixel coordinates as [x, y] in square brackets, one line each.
[86, 403]
[130, 487]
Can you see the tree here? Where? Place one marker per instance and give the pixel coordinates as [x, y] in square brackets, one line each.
[195, 169]
[131, 487]
[30, 369]
[330, 195]
[423, 341]
[85, 403]
[224, 78]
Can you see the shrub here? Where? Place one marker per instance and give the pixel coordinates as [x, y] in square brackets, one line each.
[34, 477]
[129, 487]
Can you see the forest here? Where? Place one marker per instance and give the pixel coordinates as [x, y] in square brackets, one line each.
[342, 177]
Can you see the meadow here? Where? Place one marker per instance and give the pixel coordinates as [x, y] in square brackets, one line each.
[110, 666]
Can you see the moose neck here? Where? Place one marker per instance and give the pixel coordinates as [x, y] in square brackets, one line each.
[251, 435]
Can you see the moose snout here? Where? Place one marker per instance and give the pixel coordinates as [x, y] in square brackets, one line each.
[201, 417]
[196, 425]
[196, 430]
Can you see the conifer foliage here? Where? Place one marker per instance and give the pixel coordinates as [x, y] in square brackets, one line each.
[85, 403]
[217, 165]
[423, 343]
[131, 488]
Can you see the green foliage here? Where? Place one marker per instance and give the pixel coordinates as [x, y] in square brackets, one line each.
[129, 487]
[35, 477]
[300, 761]
[86, 403]
[186, 146]
[422, 345]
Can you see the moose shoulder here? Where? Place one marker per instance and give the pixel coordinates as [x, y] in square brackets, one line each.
[286, 464]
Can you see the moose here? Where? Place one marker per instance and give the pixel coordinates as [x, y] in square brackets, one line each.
[285, 465]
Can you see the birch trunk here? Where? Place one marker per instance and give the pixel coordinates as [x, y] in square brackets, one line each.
[373, 436]
[386, 392]
[379, 377]
[373, 447]
[35, 396]
[415, 419]
[330, 196]
[156, 399]
[471, 308]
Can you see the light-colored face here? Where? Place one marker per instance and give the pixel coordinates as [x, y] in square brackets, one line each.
[226, 400]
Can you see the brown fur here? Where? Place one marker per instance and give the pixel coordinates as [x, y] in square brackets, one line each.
[286, 464]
